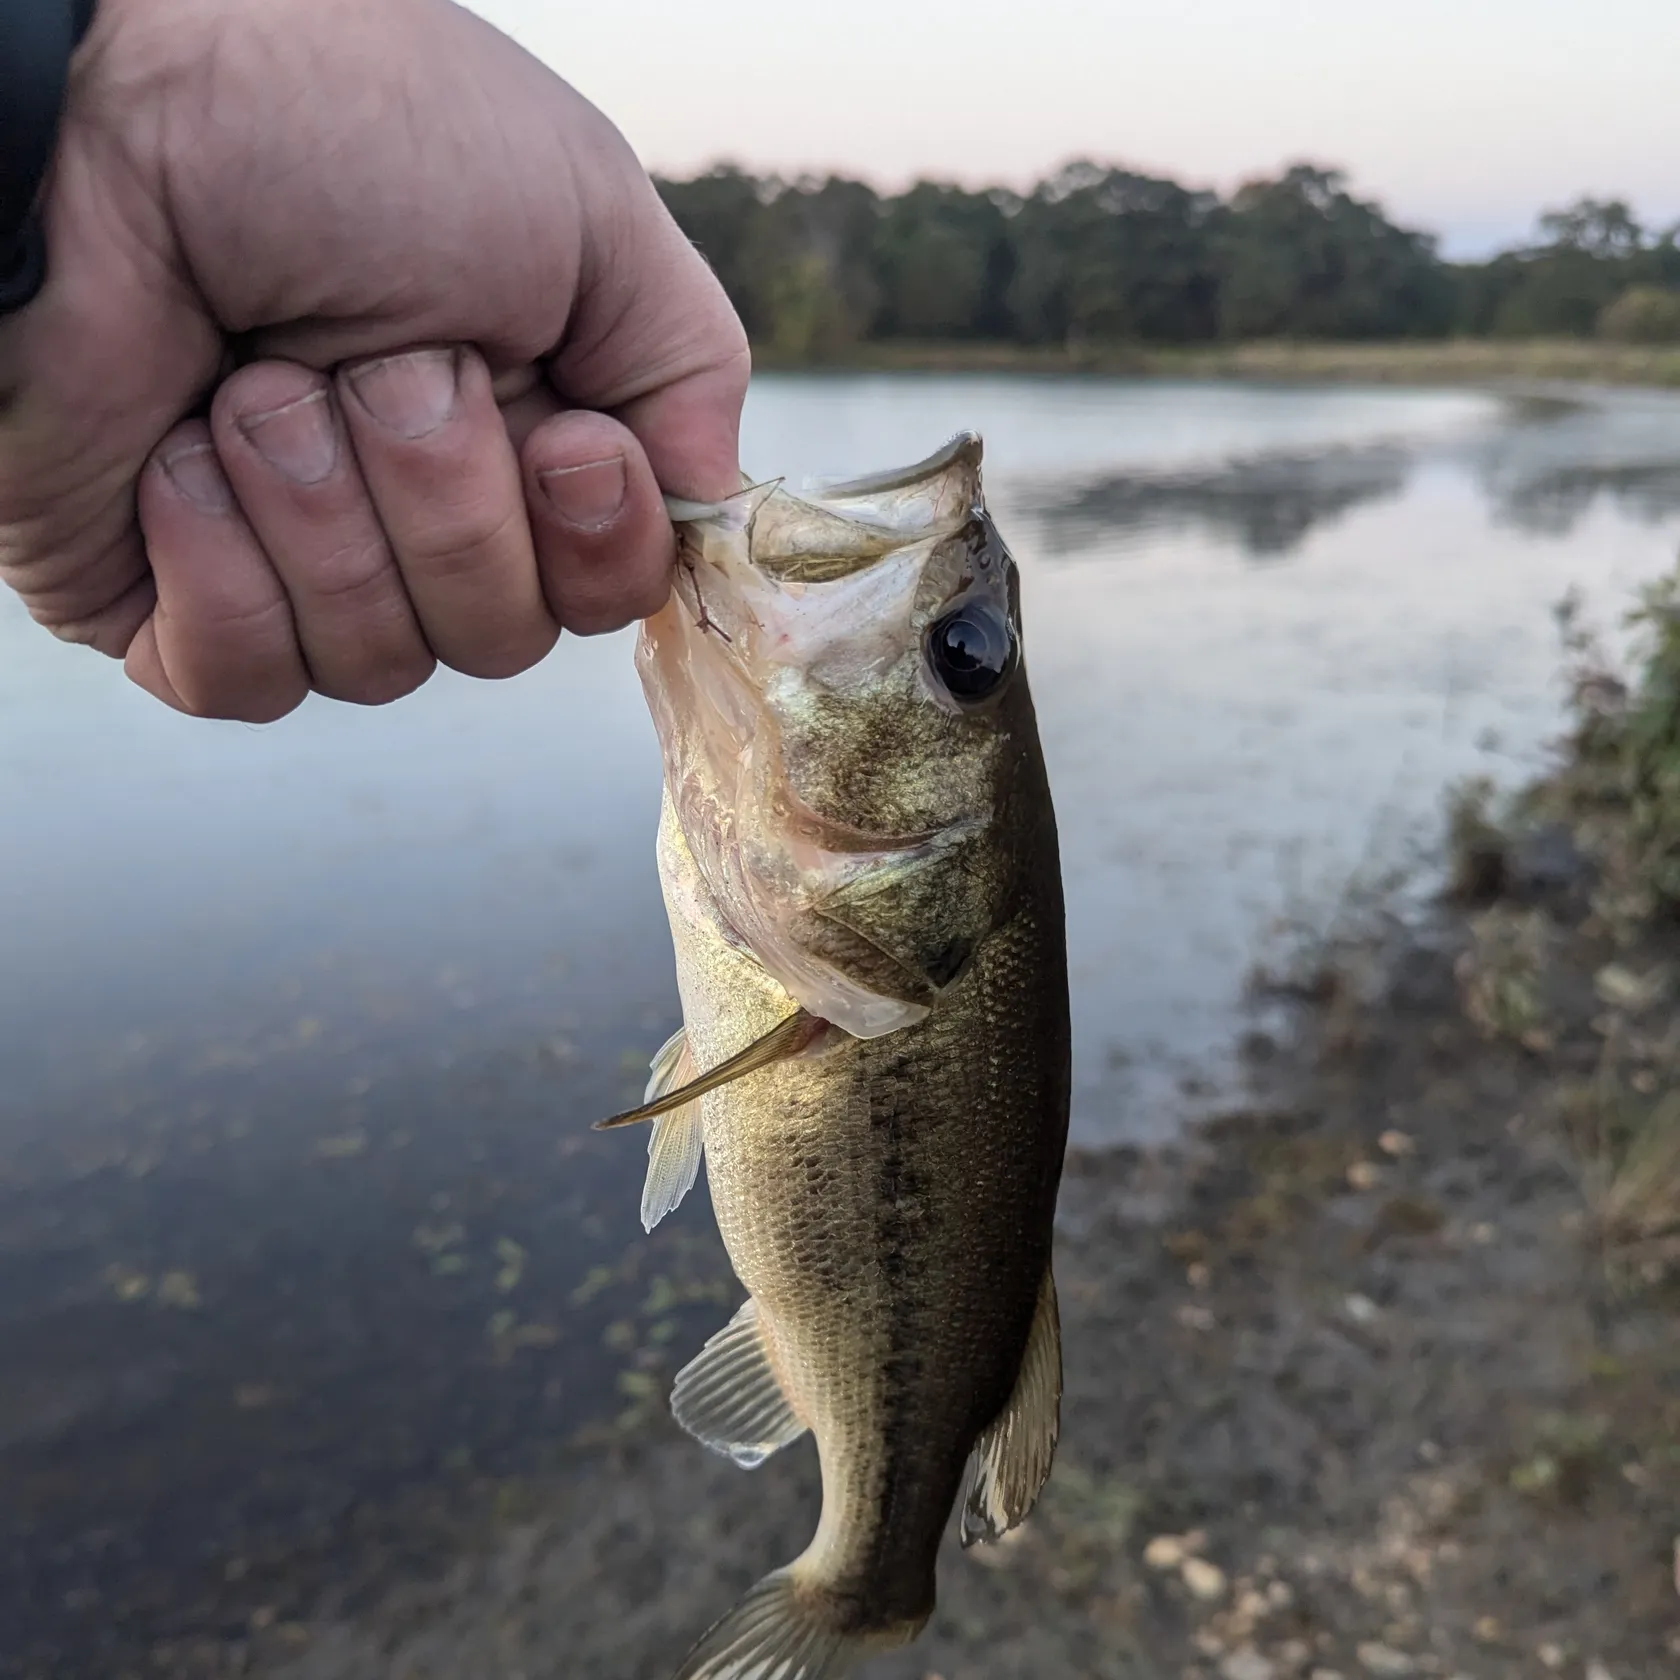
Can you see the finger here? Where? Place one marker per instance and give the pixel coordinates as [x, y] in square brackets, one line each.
[284, 447]
[444, 479]
[655, 341]
[220, 641]
[604, 544]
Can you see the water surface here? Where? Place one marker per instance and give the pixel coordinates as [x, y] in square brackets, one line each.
[303, 1237]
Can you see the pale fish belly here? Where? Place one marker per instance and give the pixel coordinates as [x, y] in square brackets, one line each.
[795, 1169]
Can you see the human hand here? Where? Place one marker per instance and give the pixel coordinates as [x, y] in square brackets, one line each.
[451, 346]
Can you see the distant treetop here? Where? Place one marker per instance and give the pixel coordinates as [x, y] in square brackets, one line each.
[1100, 254]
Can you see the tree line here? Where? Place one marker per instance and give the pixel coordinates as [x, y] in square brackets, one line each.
[1102, 255]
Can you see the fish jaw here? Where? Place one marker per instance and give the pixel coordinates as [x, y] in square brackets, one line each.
[733, 666]
[830, 785]
[753, 867]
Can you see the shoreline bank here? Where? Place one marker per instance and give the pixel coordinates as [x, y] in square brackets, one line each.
[1449, 362]
[1358, 1383]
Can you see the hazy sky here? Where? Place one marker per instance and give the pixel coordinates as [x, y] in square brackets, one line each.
[1465, 116]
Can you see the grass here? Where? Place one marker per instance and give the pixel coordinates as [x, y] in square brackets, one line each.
[1616, 788]
[1411, 362]
[1638, 1208]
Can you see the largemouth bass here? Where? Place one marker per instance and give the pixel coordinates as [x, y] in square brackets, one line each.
[858, 855]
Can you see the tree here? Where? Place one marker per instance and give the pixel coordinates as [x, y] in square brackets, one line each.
[1097, 253]
[1305, 259]
[1109, 254]
[942, 263]
[1587, 256]
[1600, 227]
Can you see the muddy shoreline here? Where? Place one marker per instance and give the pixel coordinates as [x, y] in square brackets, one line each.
[1458, 361]
[1353, 1388]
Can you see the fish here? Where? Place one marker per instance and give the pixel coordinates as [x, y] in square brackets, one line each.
[858, 854]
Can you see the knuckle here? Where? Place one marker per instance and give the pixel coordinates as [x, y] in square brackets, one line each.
[349, 576]
[597, 610]
[507, 655]
[236, 660]
[238, 698]
[460, 542]
[600, 588]
[263, 626]
[598, 621]
[379, 685]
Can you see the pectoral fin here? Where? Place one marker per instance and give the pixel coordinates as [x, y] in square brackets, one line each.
[676, 1142]
[1011, 1459]
[787, 1038]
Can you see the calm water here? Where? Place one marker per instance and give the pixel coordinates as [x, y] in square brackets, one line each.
[302, 1232]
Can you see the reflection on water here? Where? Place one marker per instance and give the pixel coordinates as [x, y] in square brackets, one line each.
[1543, 465]
[1265, 505]
[304, 1244]
[1553, 503]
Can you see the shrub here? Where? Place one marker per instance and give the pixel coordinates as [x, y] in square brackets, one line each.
[1643, 315]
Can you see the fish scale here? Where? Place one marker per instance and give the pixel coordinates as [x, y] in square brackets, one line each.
[876, 948]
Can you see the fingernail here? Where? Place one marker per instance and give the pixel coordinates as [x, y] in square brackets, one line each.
[587, 496]
[197, 474]
[298, 439]
[412, 394]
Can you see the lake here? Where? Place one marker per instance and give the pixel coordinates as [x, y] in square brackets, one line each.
[303, 1235]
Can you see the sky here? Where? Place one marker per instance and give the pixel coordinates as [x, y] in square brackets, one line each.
[1465, 117]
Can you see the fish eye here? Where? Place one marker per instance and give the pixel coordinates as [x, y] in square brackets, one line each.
[972, 650]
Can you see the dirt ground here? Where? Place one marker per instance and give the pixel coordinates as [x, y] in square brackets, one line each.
[1353, 1389]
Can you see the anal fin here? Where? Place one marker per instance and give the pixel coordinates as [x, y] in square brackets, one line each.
[728, 1395]
[1011, 1460]
[677, 1141]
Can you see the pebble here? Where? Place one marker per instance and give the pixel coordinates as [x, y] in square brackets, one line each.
[1247, 1664]
[1205, 1580]
[1361, 1308]
[1165, 1551]
[1597, 1671]
[1385, 1661]
[1363, 1175]
[1550, 1655]
[1396, 1143]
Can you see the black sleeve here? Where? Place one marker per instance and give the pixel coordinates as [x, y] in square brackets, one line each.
[37, 38]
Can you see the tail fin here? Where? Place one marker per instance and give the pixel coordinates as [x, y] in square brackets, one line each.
[782, 1631]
